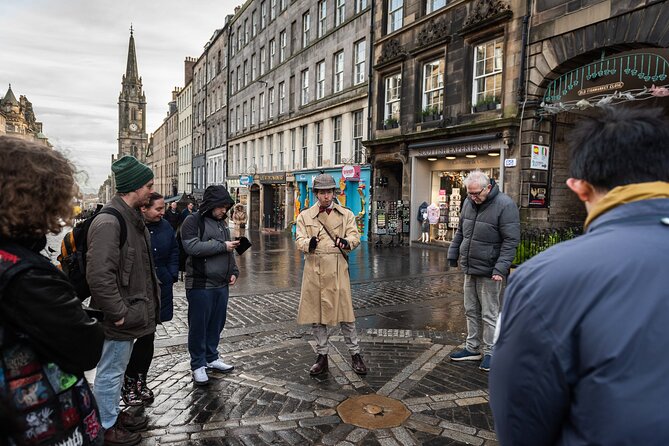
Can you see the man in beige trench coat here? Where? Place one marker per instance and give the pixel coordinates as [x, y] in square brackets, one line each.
[326, 286]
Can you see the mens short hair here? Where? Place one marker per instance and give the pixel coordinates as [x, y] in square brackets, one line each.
[477, 177]
[37, 188]
[621, 146]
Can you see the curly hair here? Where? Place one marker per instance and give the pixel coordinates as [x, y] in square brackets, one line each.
[37, 188]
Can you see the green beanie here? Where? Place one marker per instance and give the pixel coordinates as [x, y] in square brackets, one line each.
[130, 174]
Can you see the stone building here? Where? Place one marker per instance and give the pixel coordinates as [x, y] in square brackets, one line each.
[298, 105]
[17, 118]
[185, 113]
[163, 151]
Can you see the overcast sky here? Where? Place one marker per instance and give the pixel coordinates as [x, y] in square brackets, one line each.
[67, 57]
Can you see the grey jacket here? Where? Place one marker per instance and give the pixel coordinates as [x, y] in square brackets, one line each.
[122, 281]
[487, 235]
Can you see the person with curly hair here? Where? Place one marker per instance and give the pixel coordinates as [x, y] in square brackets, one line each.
[47, 340]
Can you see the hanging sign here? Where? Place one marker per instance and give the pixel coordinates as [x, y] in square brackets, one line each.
[539, 157]
[245, 180]
[351, 173]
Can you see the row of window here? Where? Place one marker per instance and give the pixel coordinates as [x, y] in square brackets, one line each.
[395, 10]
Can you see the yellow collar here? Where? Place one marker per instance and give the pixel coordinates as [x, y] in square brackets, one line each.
[628, 194]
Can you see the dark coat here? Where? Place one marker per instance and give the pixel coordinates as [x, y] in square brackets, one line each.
[173, 218]
[166, 260]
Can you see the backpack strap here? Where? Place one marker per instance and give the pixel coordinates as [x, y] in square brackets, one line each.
[121, 222]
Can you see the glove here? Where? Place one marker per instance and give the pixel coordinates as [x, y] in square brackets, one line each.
[453, 263]
[342, 241]
[312, 244]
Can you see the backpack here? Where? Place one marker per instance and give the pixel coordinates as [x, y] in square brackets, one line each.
[74, 247]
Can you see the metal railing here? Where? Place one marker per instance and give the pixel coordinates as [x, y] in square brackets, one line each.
[533, 241]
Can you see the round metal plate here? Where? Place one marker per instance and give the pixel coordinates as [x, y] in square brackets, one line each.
[373, 411]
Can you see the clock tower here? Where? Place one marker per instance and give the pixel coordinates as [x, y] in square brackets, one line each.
[132, 137]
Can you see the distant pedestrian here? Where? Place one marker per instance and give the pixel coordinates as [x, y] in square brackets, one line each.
[581, 357]
[165, 252]
[172, 215]
[210, 270]
[485, 243]
[186, 212]
[326, 233]
[47, 340]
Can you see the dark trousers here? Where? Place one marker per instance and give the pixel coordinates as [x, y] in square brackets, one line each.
[142, 354]
[207, 310]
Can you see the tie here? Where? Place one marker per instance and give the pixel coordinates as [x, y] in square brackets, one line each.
[324, 209]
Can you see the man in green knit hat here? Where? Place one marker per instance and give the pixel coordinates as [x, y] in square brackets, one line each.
[120, 274]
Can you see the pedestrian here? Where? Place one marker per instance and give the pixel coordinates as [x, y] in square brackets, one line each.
[485, 243]
[172, 215]
[326, 232]
[47, 340]
[165, 252]
[186, 212]
[124, 287]
[210, 271]
[581, 357]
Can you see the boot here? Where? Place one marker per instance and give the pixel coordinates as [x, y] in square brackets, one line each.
[132, 422]
[144, 392]
[129, 393]
[320, 366]
[359, 367]
[117, 435]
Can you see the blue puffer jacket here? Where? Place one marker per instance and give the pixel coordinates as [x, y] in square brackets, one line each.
[166, 258]
[581, 357]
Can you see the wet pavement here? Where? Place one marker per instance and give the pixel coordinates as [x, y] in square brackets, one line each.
[409, 317]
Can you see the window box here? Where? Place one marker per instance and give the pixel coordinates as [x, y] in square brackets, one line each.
[390, 123]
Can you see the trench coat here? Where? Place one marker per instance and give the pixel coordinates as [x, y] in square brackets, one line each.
[325, 297]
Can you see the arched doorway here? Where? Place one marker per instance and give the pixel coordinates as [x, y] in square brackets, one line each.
[254, 214]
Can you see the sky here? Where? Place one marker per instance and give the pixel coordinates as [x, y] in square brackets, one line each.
[68, 56]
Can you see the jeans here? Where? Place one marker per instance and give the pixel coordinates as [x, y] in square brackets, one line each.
[207, 311]
[481, 308]
[320, 333]
[109, 379]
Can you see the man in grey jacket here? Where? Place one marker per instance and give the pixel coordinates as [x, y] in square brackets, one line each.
[210, 269]
[485, 243]
[124, 287]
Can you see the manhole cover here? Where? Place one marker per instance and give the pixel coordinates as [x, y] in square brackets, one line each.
[373, 412]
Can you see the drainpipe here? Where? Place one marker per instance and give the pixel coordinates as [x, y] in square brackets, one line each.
[370, 74]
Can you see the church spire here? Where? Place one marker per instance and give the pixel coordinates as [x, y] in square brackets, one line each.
[131, 72]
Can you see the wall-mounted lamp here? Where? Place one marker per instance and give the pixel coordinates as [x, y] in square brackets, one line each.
[450, 157]
[432, 158]
[493, 154]
[470, 156]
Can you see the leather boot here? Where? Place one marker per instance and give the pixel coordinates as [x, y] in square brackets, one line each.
[144, 392]
[117, 435]
[320, 366]
[129, 392]
[359, 367]
[132, 422]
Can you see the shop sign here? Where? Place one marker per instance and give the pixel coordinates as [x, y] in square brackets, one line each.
[351, 173]
[245, 180]
[538, 196]
[539, 157]
[301, 177]
[290, 178]
[271, 178]
[510, 162]
[455, 149]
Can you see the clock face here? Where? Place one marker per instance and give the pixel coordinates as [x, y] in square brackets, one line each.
[133, 127]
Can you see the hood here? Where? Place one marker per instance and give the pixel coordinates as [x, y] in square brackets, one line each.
[214, 197]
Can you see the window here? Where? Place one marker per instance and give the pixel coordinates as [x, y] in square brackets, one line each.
[306, 25]
[232, 82]
[282, 5]
[340, 12]
[253, 153]
[240, 38]
[246, 73]
[433, 87]
[263, 56]
[263, 15]
[338, 84]
[282, 97]
[261, 151]
[254, 23]
[320, 79]
[270, 149]
[232, 120]
[359, 51]
[245, 160]
[245, 115]
[304, 97]
[246, 31]
[395, 15]
[270, 107]
[233, 46]
[272, 10]
[319, 143]
[283, 41]
[281, 151]
[272, 53]
[359, 6]
[357, 137]
[239, 77]
[392, 97]
[253, 111]
[336, 138]
[254, 72]
[293, 145]
[433, 5]
[238, 115]
[261, 100]
[322, 18]
[304, 146]
[488, 72]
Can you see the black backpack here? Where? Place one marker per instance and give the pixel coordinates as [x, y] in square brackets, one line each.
[73, 250]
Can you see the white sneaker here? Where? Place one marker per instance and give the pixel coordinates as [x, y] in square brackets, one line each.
[200, 377]
[220, 366]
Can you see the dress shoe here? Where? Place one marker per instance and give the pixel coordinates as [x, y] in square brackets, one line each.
[117, 435]
[320, 366]
[132, 422]
[359, 367]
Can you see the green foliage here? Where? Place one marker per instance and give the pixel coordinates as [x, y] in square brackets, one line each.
[532, 242]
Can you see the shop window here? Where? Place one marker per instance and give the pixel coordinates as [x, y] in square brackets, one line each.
[433, 88]
[393, 84]
[487, 82]
[395, 15]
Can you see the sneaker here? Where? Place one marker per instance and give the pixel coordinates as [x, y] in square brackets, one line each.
[485, 364]
[464, 355]
[220, 366]
[200, 377]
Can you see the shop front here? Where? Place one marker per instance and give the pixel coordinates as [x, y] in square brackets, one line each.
[273, 193]
[437, 189]
[353, 184]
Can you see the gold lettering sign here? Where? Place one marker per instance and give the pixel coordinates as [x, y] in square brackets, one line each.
[601, 88]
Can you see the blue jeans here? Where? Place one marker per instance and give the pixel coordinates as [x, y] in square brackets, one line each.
[109, 379]
[207, 311]
[481, 308]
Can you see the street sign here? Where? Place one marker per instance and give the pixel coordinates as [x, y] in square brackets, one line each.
[245, 180]
[510, 162]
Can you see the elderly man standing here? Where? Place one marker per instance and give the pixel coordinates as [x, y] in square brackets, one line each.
[485, 243]
[326, 233]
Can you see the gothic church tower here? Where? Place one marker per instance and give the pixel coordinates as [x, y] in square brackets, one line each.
[132, 137]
